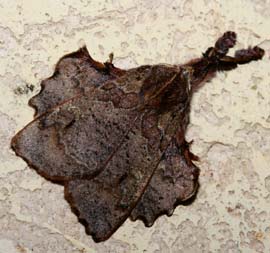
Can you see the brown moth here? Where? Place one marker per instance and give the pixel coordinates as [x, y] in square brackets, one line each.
[116, 138]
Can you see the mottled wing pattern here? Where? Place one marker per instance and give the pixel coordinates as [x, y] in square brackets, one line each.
[105, 144]
[106, 201]
[75, 139]
[116, 138]
[175, 181]
[74, 74]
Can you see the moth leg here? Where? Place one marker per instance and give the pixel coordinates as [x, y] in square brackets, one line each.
[111, 55]
[206, 66]
[222, 46]
[189, 156]
[217, 54]
[184, 145]
[241, 56]
[225, 42]
[109, 68]
[244, 56]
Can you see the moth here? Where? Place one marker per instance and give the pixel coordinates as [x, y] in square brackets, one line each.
[116, 138]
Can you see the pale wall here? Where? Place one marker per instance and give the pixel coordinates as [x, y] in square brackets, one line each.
[230, 121]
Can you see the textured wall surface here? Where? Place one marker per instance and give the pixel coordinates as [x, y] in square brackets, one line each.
[230, 121]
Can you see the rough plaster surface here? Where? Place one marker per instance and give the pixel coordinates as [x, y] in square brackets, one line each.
[230, 121]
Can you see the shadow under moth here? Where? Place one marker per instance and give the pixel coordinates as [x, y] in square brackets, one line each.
[116, 138]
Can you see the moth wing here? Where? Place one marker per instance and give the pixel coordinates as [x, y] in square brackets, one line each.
[75, 139]
[106, 201]
[104, 146]
[174, 182]
[74, 74]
